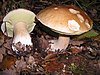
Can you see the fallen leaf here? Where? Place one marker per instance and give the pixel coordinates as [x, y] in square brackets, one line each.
[30, 60]
[8, 72]
[20, 64]
[74, 42]
[43, 43]
[75, 50]
[1, 57]
[1, 39]
[7, 62]
[51, 63]
[50, 56]
[53, 66]
[2, 50]
[8, 43]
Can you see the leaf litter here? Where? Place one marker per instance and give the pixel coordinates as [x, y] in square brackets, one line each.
[82, 57]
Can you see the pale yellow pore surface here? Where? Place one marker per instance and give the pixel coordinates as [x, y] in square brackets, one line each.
[57, 18]
[15, 16]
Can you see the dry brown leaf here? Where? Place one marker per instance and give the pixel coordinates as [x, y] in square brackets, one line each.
[1, 17]
[75, 50]
[51, 63]
[7, 62]
[1, 39]
[20, 64]
[8, 72]
[73, 42]
[43, 43]
[30, 60]
[53, 66]
[50, 56]
[1, 57]
[7, 44]
[2, 50]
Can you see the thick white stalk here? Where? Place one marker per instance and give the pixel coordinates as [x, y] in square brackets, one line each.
[61, 43]
[21, 35]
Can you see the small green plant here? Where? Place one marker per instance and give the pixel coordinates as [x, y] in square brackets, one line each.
[74, 69]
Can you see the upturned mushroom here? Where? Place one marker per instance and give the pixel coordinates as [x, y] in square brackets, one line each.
[65, 20]
[18, 24]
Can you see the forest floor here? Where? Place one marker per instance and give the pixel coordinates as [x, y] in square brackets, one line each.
[81, 57]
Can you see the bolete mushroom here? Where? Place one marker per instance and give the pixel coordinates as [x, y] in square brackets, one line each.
[65, 20]
[18, 24]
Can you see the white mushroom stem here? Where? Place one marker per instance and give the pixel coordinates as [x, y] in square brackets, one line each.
[21, 34]
[61, 43]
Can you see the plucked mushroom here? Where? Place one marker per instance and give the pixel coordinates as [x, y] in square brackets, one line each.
[18, 24]
[65, 20]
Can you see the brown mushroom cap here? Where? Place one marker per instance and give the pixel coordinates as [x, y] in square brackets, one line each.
[67, 20]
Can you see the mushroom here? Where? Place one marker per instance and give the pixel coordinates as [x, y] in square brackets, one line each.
[65, 20]
[18, 24]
